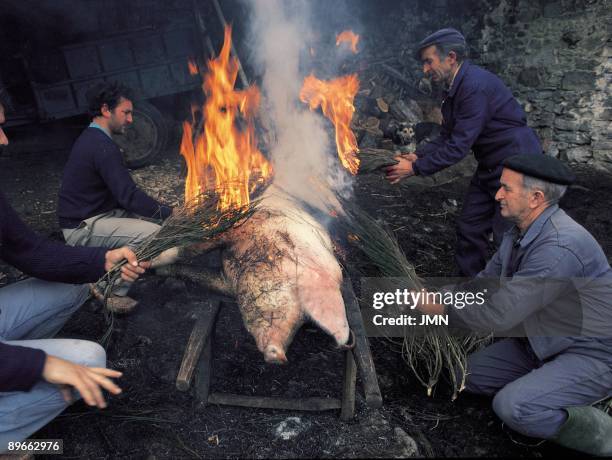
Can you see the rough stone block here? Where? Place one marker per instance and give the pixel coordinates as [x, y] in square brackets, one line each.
[565, 124]
[573, 137]
[602, 155]
[605, 114]
[603, 145]
[578, 80]
[531, 76]
[578, 154]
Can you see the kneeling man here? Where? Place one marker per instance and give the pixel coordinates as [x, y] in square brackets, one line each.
[555, 295]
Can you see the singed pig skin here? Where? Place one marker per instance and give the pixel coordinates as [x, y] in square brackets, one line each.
[283, 270]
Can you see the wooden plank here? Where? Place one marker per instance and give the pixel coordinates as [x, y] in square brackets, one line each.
[266, 402]
[197, 339]
[204, 371]
[348, 389]
[362, 353]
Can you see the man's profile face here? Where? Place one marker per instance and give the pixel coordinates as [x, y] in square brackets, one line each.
[513, 198]
[438, 70]
[121, 116]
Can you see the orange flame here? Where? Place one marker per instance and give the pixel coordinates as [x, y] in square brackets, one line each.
[348, 36]
[193, 67]
[218, 154]
[336, 100]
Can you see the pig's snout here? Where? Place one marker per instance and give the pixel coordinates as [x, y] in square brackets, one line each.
[275, 354]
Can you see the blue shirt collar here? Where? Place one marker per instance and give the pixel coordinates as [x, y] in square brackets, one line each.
[93, 124]
[536, 226]
[458, 78]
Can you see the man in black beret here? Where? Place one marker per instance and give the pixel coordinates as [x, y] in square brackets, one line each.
[480, 114]
[552, 300]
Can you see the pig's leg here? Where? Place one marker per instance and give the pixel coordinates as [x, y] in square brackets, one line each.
[270, 310]
[320, 296]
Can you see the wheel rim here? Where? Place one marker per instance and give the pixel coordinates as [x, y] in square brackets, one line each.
[140, 138]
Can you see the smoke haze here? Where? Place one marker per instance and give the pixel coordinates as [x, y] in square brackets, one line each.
[303, 149]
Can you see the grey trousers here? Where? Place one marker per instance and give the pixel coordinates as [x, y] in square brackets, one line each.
[32, 311]
[112, 230]
[530, 394]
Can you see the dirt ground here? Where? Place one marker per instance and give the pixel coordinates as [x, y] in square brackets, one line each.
[151, 419]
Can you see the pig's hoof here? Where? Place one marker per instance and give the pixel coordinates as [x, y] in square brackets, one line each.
[275, 355]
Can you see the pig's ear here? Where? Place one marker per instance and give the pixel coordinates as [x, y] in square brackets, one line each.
[323, 304]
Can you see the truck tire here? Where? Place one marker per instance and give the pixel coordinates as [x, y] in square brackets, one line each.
[145, 138]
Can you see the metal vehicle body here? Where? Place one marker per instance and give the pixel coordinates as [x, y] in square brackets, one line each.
[152, 61]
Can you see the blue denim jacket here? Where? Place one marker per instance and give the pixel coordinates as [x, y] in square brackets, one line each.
[555, 284]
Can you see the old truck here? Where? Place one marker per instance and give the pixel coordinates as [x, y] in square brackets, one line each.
[154, 62]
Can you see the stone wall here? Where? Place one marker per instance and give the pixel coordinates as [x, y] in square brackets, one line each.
[556, 57]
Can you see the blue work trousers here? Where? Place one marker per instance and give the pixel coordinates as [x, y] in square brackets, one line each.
[32, 311]
[529, 394]
[479, 217]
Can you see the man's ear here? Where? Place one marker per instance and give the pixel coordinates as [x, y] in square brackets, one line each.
[105, 111]
[538, 198]
[452, 56]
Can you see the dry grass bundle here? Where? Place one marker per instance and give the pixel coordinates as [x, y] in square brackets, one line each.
[436, 350]
[371, 160]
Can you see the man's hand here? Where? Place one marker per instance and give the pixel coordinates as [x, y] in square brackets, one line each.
[429, 308]
[129, 271]
[410, 156]
[402, 169]
[86, 380]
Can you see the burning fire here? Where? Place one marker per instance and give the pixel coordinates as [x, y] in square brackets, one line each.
[348, 36]
[193, 67]
[219, 154]
[336, 100]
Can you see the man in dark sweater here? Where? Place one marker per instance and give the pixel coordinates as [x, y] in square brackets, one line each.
[480, 114]
[34, 368]
[99, 203]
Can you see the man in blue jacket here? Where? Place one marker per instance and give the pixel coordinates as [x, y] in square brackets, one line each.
[552, 299]
[34, 367]
[38, 372]
[480, 114]
[99, 204]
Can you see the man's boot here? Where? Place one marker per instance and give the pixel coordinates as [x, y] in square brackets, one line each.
[587, 430]
[120, 305]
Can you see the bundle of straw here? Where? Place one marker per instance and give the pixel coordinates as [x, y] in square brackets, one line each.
[371, 160]
[427, 355]
[197, 221]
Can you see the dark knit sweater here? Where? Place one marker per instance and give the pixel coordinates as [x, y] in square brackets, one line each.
[20, 367]
[95, 181]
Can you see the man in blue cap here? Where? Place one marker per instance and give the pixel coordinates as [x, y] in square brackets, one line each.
[480, 114]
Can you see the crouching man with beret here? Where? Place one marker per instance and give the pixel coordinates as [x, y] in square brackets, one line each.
[555, 294]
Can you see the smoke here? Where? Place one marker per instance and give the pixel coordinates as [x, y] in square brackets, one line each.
[302, 150]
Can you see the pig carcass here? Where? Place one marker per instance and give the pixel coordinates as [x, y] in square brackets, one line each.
[281, 267]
